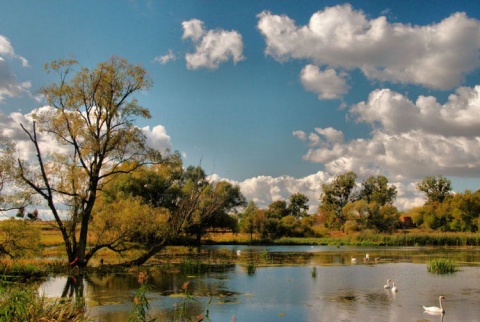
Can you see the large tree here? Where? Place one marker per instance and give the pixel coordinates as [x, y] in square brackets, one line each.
[298, 206]
[437, 189]
[90, 115]
[376, 189]
[335, 195]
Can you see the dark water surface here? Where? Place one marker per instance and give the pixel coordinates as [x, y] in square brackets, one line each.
[283, 288]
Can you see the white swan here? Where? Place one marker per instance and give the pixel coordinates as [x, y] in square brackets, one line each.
[388, 286]
[394, 288]
[434, 309]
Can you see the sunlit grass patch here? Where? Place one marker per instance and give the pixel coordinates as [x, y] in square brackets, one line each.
[441, 266]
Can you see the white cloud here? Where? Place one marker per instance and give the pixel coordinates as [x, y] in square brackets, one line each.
[157, 138]
[213, 47]
[300, 135]
[6, 50]
[264, 190]
[193, 29]
[10, 128]
[395, 113]
[170, 56]
[435, 56]
[327, 84]
[408, 140]
[9, 86]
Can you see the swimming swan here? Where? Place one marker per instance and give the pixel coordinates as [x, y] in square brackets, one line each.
[394, 288]
[388, 286]
[434, 309]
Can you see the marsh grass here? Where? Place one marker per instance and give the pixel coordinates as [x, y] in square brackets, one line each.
[251, 268]
[19, 302]
[441, 266]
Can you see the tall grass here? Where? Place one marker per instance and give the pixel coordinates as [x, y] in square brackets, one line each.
[441, 266]
[23, 303]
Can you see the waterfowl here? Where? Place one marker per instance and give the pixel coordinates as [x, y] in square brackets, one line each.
[394, 288]
[388, 286]
[434, 309]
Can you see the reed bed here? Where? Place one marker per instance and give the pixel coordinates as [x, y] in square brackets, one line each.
[371, 239]
[19, 302]
[441, 266]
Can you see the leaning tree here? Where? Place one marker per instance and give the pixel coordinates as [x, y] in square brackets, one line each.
[90, 117]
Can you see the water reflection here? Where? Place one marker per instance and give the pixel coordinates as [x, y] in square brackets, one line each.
[340, 291]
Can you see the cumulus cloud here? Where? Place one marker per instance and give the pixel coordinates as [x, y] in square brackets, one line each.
[9, 85]
[395, 113]
[212, 47]
[327, 84]
[170, 56]
[435, 56]
[157, 138]
[263, 190]
[10, 128]
[408, 140]
[6, 50]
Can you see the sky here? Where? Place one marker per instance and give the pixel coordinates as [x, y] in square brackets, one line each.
[276, 96]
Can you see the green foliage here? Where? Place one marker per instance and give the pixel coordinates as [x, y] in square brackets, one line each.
[298, 206]
[459, 212]
[437, 189]
[277, 209]
[91, 114]
[22, 303]
[377, 190]
[251, 268]
[335, 195]
[140, 301]
[441, 266]
[18, 238]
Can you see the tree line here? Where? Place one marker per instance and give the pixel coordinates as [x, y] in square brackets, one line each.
[106, 189]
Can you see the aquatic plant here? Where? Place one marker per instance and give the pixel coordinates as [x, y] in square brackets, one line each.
[140, 301]
[251, 268]
[441, 266]
[21, 302]
[314, 272]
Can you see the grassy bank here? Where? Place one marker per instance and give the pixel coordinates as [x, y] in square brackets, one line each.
[407, 238]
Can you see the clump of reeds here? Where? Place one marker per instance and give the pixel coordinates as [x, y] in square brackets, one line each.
[441, 266]
[20, 302]
[314, 272]
[251, 268]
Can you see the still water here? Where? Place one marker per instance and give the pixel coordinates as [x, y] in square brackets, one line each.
[342, 290]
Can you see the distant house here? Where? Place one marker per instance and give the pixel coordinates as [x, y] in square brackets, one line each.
[406, 222]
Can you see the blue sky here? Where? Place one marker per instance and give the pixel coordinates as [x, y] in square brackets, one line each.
[277, 96]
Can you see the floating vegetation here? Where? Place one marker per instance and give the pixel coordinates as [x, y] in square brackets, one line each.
[314, 272]
[441, 266]
[251, 268]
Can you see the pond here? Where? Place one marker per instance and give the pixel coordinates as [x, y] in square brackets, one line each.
[283, 288]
